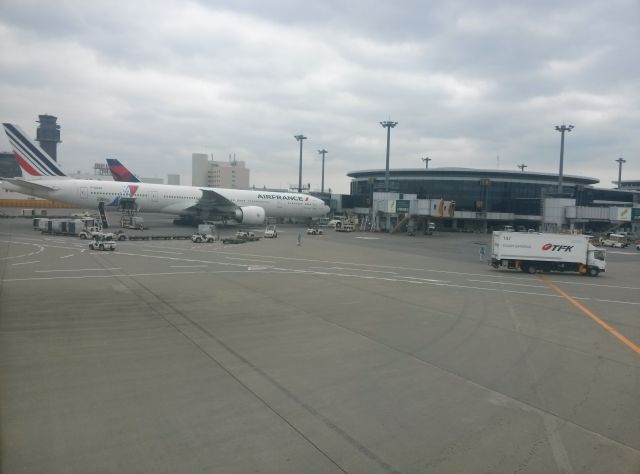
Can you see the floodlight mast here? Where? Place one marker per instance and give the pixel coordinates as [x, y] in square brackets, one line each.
[322, 152]
[620, 161]
[388, 125]
[562, 128]
[300, 138]
[522, 167]
[426, 160]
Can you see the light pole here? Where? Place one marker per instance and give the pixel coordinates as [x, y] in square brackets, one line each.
[300, 138]
[426, 160]
[322, 152]
[388, 125]
[562, 128]
[522, 167]
[620, 161]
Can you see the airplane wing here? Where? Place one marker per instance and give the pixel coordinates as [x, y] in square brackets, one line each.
[213, 202]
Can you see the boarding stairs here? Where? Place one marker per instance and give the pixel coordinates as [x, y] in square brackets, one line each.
[400, 224]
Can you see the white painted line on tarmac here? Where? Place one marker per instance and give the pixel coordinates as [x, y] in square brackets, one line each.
[250, 259]
[161, 251]
[368, 238]
[423, 279]
[13, 242]
[67, 256]
[357, 269]
[187, 266]
[528, 285]
[66, 277]
[567, 282]
[78, 270]
[611, 301]
[617, 252]
[26, 263]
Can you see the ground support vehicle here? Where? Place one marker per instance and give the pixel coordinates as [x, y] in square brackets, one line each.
[532, 252]
[246, 236]
[101, 242]
[159, 237]
[89, 232]
[270, 232]
[198, 238]
[346, 226]
[231, 240]
[314, 231]
[616, 241]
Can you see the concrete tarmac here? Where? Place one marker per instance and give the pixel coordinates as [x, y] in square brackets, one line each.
[353, 352]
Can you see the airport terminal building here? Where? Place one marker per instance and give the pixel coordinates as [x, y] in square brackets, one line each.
[490, 199]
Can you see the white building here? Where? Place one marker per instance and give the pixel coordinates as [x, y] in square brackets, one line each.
[218, 174]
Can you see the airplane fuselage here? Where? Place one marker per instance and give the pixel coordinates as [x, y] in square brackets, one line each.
[173, 199]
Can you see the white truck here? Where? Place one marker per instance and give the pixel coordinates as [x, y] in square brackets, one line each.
[102, 242]
[616, 241]
[531, 252]
[199, 238]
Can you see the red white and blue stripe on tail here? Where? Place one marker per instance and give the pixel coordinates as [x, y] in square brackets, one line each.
[32, 159]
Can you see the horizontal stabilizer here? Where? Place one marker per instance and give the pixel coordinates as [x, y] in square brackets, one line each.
[29, 185]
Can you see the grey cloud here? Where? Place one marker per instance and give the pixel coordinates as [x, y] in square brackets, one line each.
[151, 82]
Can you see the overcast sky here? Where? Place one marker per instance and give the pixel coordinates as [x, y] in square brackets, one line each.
[471, 84]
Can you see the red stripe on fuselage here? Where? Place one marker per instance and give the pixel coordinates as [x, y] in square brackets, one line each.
[24, 164]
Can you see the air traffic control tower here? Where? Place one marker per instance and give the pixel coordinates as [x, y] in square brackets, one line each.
[48, 134]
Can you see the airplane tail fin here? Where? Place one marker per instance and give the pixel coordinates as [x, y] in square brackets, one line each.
[120, 172]
[33, 161]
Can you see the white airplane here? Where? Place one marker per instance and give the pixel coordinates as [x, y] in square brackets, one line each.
[42, 177]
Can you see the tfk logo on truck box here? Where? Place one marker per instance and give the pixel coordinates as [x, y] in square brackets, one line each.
[557, 248]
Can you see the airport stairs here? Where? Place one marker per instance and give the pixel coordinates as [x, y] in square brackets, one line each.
[400, 224]
[103, 216]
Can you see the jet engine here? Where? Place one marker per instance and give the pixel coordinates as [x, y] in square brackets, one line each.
[252, 215]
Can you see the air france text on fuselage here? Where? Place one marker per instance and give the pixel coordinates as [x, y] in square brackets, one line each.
[280, 196]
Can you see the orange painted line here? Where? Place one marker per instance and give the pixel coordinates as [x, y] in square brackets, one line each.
[589, 313]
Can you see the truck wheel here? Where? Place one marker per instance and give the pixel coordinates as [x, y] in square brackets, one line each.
[593, 271]
[198, 240]
[209, 240]
[122, 237]
[531, 269]
[338, 225]
[101, 247]
[83, 236]
[90, 246]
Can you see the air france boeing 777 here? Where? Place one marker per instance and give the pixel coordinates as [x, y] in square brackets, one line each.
[42, 177]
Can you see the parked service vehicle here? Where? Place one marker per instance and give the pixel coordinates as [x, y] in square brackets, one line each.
[346, 226]
[617, 241]
[314, 231]
[200, 237]
[531, 252]
[270, 232]
[241, 234]
[101, 242]
[89, 232]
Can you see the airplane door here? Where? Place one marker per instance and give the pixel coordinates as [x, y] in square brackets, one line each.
[154, 196]
[84, 193]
